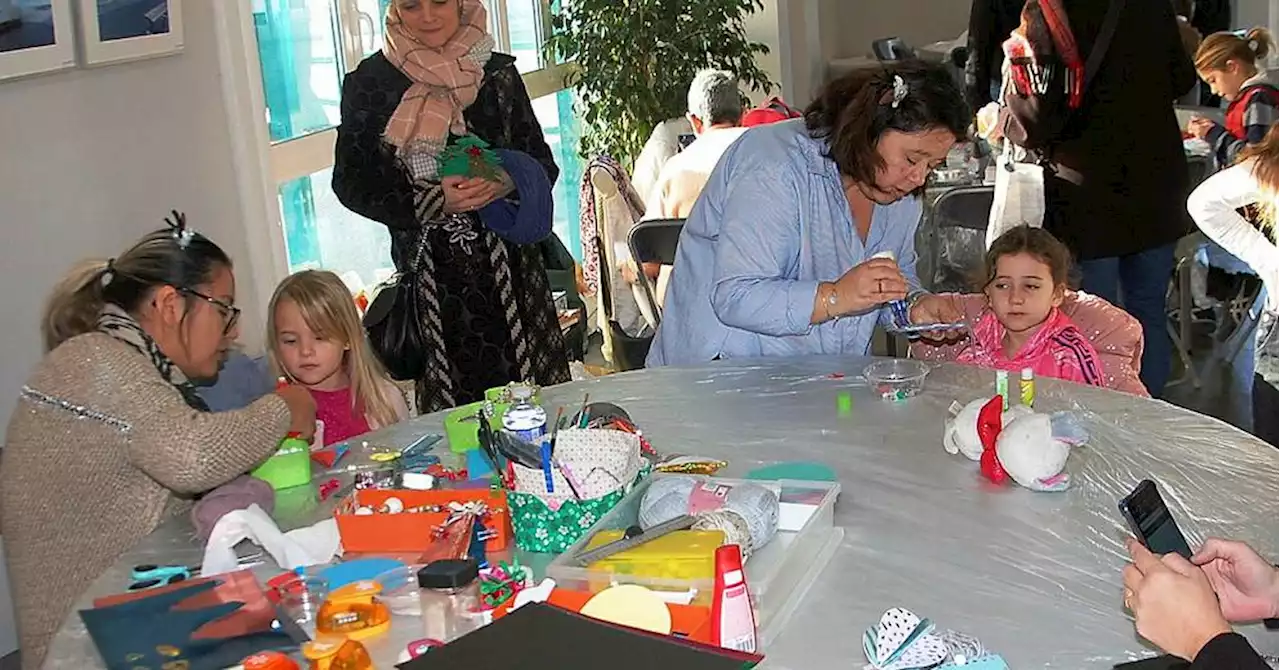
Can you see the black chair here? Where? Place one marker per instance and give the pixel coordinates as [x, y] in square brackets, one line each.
[892, 48]
[654, 241]
[957, 226]
[628, 352]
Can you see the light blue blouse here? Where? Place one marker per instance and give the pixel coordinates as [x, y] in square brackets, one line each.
[772, 223]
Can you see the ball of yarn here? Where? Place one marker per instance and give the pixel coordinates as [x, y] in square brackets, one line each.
[735, 528]
[668, 498]
[759, 507]
[665, 499]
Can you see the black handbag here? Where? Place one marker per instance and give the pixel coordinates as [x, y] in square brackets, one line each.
[393, 323]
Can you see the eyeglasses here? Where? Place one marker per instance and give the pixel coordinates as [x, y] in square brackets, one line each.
[230, 313]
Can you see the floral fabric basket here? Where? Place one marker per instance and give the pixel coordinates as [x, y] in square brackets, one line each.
[604, 466]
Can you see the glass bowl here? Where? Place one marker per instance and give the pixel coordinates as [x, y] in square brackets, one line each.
[897, 378]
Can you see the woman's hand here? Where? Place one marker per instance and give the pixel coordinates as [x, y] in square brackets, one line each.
[1200, 126]
[1172, 602]
[1245, 583]
[302, 410]
[867, 285]
[468, 194]
[936, 309]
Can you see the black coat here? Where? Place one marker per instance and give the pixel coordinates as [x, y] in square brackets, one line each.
[1125, 183]
[471, 294]
[990, 22]
[1228, 651]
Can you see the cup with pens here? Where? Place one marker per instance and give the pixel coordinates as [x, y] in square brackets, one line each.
[560, 483]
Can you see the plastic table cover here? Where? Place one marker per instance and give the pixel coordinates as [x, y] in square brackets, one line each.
[1035, 576]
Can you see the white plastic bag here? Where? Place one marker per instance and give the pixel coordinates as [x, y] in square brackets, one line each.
[1019, 195]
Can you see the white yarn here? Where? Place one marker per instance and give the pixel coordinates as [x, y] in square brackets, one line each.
[735, 528]
[668, 498]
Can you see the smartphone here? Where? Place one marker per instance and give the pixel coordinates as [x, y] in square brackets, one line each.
[1151, 522]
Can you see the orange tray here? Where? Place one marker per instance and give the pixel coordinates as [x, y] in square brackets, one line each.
[413, 532]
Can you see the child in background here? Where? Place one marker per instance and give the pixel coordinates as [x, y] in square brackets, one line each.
[1229, 64]
[1022, 327]
[315, 340]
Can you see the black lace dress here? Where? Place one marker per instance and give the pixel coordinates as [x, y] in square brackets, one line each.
[489, 313]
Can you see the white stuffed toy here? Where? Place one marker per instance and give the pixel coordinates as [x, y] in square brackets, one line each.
[1031, 448]
[961, 432]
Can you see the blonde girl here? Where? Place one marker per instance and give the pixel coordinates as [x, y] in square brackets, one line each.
[1252, 183]
[1229, 64]
[315, 340]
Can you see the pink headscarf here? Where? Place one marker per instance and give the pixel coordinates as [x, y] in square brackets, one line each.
[445, 80]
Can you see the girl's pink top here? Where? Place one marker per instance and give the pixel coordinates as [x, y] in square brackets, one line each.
[1057, 350]
[341, 421]
[1113, 334]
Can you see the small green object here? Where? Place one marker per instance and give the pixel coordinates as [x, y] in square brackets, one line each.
[469, 156]
[844, 403]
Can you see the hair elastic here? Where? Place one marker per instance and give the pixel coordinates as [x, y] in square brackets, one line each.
[108, 273]
[178, 223]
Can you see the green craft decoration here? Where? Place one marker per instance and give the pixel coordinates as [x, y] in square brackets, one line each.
[469, 156]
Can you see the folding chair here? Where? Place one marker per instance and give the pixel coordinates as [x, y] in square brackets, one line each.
[629, 353]
[655, 241]
[957, 226]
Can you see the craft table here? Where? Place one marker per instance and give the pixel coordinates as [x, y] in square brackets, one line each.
[1036, 576]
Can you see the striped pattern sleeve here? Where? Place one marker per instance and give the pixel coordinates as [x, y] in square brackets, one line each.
[1259, 113]
[1079, 361]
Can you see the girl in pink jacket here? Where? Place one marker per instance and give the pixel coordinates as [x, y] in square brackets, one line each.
[1023, 325]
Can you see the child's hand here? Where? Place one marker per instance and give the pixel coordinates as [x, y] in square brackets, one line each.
[302, 410]
[936, 309]
[1200, 126]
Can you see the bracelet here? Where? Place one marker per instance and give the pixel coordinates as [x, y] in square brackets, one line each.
[829, 302]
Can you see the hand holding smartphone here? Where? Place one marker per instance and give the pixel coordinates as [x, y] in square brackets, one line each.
[1151, 522]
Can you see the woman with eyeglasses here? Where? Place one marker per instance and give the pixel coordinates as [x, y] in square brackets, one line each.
[109, 437]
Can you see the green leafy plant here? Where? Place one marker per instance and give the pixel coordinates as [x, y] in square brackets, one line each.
[634, 60]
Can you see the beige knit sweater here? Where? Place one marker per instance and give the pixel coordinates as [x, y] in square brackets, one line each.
[98, 447]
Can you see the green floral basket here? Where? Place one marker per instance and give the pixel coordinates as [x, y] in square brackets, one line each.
[542, 530]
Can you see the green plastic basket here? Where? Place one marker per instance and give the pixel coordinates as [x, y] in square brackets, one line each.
[290, 467]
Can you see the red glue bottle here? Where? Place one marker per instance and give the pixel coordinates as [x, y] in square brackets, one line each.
[733, 619]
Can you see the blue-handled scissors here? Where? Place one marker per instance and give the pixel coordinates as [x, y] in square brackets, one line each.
[151, 576]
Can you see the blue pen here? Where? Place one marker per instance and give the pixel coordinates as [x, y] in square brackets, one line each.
[546, 465]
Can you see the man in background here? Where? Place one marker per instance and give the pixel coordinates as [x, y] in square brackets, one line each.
[715, 113]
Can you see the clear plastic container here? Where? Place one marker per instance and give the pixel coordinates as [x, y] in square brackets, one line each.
[779, 574]
[525, 420]
[897, 378]
[449, 597]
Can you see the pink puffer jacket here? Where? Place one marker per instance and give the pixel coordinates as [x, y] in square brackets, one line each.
[1115, 335]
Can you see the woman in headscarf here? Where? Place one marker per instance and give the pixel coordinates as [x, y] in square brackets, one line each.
[486, 310]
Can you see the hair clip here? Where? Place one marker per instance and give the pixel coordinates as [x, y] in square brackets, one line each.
[178, 222]
[108, 273]
[899, 90]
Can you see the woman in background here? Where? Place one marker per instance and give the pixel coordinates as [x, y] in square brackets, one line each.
[784, 252]
[487, 316]
[1251, 183]
[110, 437]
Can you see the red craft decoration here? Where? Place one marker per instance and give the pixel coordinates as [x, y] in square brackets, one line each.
[989, 426]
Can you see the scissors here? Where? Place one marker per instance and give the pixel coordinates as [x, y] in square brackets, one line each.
[151, 576]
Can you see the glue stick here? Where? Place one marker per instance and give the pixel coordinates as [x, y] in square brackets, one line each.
[1002, 387]
[899, 308]
[1027, 387]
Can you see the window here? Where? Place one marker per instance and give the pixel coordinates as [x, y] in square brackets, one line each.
[304, 48]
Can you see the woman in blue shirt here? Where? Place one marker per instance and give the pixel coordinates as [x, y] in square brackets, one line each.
[776, 257]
